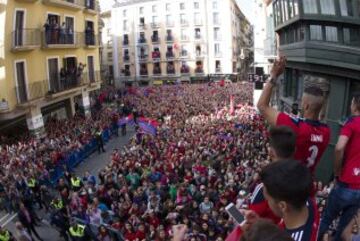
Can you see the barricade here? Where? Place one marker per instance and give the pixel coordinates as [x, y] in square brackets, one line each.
[76, 157]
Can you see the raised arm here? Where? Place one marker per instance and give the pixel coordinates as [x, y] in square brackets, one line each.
[270, 114]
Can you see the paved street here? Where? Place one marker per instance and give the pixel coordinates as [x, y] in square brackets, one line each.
[93, 164]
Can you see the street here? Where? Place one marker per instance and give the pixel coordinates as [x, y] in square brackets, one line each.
[93, 164]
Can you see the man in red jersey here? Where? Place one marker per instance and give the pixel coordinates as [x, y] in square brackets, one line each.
[345, 197]
[312, 136]
[287, 188]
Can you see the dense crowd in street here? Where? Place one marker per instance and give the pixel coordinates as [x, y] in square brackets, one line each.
[211, 149]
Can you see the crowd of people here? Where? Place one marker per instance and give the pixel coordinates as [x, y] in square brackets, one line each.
[211, 149]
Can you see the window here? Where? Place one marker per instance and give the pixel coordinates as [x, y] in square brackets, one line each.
[155, 19]
[285, 10]
[183, 34]
[331, 34]
[142, 21]
[215, 5]
[125, 23]
[216, 18]
[217, 33]
[296, 8]
[352, 36]
[141, 10]
[310, 6]
[197, 18]
[197, 33]
[169, 19]
[346, 7]
[168, 7]
[217, 49]
[184, 51]
[196, 5]
[154, 8]
[182, 6]
[327, 7]
[183, 19]
[315, 32]
[217, 65]
[124, 13]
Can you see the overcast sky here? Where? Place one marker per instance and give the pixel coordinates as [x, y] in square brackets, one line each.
[246, 6]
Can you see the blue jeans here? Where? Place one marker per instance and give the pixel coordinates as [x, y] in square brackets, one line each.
[341, 200]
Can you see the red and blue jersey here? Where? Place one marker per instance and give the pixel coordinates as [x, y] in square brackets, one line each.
[306, 232]
[350, 173]
[259, 205]
[312, 138]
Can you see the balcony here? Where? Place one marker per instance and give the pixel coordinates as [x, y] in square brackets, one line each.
[91, 40]
[184, 54]
[126, 58]
[170, 24]
[218, 70]
[198, 23]
[53, 39]
[91, 77]
[142, 26]
[199, 70]
[126, 42]
[91, 7]
[75, 5]
[143, 58]
[169, 39]
[184, 23]
[185, 70]
[157, 72]
[155, 25]
[184, 38]
[25, 40]
[218, 54]
[142, 41]
[198, 37]
[144, 73]
[170, 55]
[126, 72]
[156, 56]
[155, 39]
[31, 92]
[170, 71]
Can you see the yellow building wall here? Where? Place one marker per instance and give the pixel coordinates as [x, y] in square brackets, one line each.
[36, 60]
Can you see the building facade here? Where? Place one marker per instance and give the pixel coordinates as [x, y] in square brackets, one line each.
[155, 40]
[106, 46]
[50, 59]
[320, 38]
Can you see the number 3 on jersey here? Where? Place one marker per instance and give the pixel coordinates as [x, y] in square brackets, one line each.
[314, 150]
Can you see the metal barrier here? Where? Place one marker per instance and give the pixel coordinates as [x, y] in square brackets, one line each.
[75, 158]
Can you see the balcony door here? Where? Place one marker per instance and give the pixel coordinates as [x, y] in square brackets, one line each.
[19, 27]
[73, 74]
[91, 69]
[53, 68]
[69, 25]
[21, 87]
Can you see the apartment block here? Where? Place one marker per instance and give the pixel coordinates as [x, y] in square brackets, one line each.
[49, 59]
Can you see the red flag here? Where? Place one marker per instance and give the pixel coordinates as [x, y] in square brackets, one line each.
[232, 108]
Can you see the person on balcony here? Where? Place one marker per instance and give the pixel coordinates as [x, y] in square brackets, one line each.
[79, 72]
[47, 31]
[70, 35]
[89, 35]
[63, 79]
[63, 33]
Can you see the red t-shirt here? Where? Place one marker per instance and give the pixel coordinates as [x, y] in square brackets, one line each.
[311, 141]
[350, 173]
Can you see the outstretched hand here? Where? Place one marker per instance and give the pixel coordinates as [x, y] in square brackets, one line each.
[278, 67]
[179, 232]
